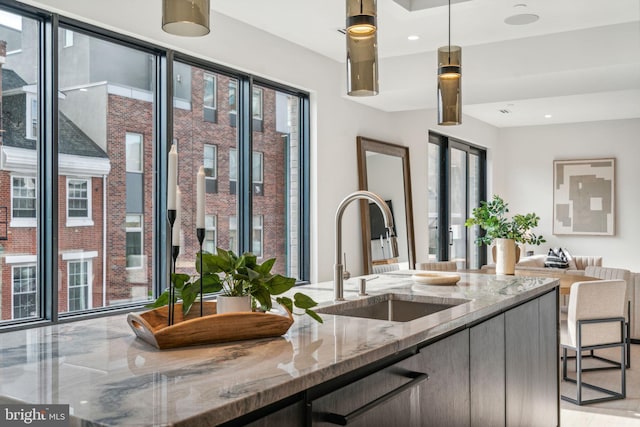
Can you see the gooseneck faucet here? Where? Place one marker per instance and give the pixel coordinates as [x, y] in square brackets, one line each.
[388, 223]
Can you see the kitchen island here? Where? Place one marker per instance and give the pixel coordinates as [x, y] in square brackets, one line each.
[108, 377]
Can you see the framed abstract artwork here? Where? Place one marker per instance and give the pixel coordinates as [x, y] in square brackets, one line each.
[584, 197]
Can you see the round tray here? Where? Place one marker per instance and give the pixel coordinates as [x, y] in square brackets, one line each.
[436, 278]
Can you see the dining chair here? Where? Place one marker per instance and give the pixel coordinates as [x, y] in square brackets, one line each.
[595, 321]
[609, 273]
[437, 266]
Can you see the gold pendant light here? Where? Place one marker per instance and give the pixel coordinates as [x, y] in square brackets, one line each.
[450, 82]
[188, 18]
[362, 48]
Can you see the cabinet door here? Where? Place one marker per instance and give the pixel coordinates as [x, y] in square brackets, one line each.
[531, 363]
[388, 397]
[548, 401]
[444, 398]
[486, 376]
[289, 416]
[522, 386]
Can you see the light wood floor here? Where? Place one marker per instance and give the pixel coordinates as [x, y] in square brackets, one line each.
[615, 413]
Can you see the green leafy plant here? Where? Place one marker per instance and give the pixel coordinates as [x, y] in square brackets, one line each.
[491, 217]
[237, 276]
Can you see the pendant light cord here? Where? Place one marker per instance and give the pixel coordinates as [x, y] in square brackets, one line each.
[449, 53]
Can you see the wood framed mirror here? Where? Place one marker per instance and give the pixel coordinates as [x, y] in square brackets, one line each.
[383, 168]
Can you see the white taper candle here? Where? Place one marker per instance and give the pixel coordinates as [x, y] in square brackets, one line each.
[172, 178]
[200, 194]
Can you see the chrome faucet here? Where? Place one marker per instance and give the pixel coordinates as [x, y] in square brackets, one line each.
[338, 268]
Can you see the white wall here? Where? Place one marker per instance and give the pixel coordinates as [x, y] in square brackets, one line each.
[524, 177]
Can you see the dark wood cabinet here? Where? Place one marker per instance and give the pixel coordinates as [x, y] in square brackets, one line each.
[387, 397]
[444, 399]
[292, 415]
[487, 373]
[531, 362]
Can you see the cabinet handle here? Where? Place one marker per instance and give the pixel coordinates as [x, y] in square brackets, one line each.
[343, 420]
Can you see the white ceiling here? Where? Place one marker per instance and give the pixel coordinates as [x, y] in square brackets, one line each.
[579, 62]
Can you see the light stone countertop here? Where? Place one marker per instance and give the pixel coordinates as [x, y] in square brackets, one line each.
[108, 377]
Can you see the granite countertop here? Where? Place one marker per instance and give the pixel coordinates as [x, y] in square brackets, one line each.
[108, 377]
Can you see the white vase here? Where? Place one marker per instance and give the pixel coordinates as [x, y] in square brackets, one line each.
[505, 256]
[227, 304]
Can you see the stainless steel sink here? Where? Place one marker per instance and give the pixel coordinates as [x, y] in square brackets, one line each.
[394, 307]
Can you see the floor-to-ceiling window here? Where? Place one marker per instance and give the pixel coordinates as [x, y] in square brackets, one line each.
[456, 184]
[275, 175]
[83, 145]
[106, 142]
[205, 132]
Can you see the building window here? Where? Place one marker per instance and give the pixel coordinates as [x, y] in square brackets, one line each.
[32, 116]
[233, 164]
[232, 97]
[210, 161]
[233, 233]
[134, 152]
[211, 168]
[134, 241]
[78, 274]
[67, 38]
[210, 236]
[23, 200]
[25, 291]
[78, 202]
[233, 170]
[257, 236]
[257, 103]
[258, 174]
[209, 98]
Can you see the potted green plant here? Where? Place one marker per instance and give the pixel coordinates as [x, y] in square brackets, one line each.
[237, 276]
[504, 232]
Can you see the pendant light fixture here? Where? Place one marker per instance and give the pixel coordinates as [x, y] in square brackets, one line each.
[450, 82]
[362, 48]
[188, 18]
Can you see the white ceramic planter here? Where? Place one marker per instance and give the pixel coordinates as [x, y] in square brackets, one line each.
[227, 304]
[505, 256]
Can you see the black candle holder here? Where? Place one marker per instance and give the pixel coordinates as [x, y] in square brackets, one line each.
[175, 251]
[200, 234]
[171, 216]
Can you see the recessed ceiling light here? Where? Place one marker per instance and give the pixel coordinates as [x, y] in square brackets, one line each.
[521, 19]
[547, 116]
[412, 38]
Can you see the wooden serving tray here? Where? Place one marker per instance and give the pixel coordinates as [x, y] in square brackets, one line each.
[151, 326]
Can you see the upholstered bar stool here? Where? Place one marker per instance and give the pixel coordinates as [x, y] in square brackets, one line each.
[608, 273]
[595, 321]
